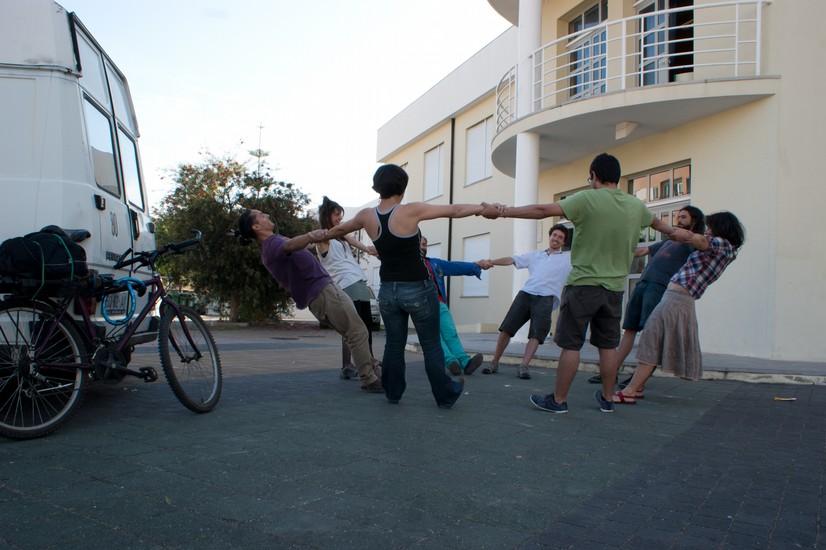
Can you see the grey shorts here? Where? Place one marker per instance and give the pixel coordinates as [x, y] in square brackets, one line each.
[529, 307]
[589, 305]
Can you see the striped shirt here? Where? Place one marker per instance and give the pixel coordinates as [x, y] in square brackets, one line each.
[703, 267]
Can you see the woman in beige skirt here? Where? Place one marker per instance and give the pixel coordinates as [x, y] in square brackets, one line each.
[670, 338]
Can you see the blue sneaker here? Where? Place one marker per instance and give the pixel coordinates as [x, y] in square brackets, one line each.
[604, 405]
[548, 404]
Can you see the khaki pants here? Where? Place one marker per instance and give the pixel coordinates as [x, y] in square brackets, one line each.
[335, 306]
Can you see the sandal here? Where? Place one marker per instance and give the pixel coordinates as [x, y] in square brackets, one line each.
[492, 369]
[622, 399]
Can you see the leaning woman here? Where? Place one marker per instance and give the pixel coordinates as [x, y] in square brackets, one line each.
[406, 290]
[671, 337]
[337, 258]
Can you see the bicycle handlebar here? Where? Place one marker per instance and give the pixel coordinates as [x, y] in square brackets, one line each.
[149, 258]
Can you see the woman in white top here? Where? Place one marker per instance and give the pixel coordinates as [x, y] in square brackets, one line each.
[337, 258]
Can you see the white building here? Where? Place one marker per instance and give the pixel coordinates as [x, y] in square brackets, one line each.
[716, 103]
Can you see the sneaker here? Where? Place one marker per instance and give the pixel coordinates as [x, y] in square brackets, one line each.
[454, 368]
[349, 373]
[458, 389]
[523, 373]
[474, 363]
[548, 404]
[373, 387]
[605, 405]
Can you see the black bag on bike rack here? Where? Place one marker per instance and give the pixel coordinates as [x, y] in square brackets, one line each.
[45, 255]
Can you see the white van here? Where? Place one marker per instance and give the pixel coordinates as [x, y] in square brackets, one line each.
[69, 142]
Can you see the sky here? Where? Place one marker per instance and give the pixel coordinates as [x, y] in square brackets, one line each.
[320, 77]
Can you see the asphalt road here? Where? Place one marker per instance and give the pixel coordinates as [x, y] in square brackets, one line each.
[293, 457]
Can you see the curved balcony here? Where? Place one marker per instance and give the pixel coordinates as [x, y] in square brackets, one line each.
[629, 78]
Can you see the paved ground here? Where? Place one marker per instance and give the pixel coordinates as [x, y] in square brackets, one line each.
[293, 457]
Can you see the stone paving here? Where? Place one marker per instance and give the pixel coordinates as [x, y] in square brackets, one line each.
[293, 457]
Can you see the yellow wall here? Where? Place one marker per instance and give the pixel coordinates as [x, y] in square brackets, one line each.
[470, 313]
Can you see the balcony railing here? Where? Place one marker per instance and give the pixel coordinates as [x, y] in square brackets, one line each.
[720, 40]
[506, 99]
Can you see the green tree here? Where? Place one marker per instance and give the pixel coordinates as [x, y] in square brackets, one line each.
[209, 197]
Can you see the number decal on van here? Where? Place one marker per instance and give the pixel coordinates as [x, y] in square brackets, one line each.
[114, 219]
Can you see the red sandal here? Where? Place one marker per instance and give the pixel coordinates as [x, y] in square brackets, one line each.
[622, 399]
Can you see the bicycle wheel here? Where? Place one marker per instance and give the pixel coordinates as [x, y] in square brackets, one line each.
[190, 359]
[41, 379]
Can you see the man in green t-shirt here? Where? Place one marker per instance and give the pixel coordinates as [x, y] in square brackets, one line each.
[607, 223]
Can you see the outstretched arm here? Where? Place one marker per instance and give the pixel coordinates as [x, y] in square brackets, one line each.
[349, 226]
[700, 242]
[425, 211]
[452, 268]
[529, 212]
[662, 227]
[507, 260]
[301, 241]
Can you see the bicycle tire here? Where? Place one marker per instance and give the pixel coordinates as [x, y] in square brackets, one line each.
[195, 381]
[41, 376]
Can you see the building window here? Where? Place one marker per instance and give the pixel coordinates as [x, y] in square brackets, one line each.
[433, 173]
[666, 40]
[587, 52]
[476, 248]
[99, 138]
[662, 184]
[478, 163]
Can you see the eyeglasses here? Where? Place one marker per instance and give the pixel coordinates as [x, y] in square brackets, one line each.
[589, 180]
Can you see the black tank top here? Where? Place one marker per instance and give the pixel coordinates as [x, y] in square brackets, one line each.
[401, 257]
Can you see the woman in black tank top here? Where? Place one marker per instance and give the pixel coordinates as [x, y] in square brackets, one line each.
[406, 291]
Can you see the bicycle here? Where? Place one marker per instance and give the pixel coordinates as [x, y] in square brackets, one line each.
[48, 356]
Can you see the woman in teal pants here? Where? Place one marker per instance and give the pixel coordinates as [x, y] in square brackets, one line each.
[456, 359]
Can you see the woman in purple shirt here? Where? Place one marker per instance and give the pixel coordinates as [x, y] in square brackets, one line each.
[297, 270]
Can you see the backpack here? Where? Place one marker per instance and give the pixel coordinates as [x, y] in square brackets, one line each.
[45, 255]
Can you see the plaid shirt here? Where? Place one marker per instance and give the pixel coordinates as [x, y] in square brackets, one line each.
[703, 267]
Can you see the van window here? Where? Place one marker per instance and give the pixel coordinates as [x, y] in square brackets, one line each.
[123, 110]
[99, 136]
[131, 173]
[93, 78]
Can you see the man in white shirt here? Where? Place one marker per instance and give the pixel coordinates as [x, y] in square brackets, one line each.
[536, 301]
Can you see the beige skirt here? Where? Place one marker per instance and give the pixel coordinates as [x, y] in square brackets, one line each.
[670, 337]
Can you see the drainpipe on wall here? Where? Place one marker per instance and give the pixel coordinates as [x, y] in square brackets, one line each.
[450, 201]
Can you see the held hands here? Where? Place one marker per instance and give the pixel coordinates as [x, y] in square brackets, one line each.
[485, 264]
[492, 210]
[681, 235]
[317, 235]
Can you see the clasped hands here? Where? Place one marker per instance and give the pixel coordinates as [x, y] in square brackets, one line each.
[492, 210]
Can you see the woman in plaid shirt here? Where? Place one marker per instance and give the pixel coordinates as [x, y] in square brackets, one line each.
[671, 337]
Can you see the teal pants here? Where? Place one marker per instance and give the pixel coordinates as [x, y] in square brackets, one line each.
[451, 345]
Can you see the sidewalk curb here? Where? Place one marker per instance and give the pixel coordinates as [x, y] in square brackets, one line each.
[591, 366]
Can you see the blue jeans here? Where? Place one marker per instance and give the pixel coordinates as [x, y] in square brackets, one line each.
[399, 302]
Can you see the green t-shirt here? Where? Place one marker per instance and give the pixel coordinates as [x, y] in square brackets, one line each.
[607, 225]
